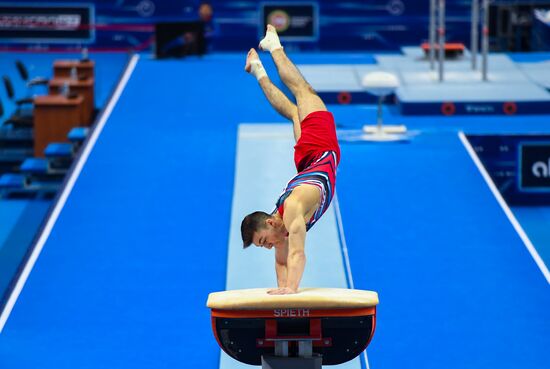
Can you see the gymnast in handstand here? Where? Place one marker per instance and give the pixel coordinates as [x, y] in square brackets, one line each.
[316, 155]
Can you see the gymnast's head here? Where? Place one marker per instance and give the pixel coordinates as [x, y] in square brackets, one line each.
[263, 230]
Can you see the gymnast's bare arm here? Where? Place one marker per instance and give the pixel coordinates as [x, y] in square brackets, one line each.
[281, 256]
[299, 207]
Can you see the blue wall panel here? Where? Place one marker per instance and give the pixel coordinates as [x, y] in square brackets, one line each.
[343, 25]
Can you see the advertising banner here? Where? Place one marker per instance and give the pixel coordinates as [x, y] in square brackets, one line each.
[293, 21]
[518, 164]
[45, 23]
[534, 171]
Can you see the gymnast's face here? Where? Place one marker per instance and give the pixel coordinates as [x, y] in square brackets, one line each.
[272, 235]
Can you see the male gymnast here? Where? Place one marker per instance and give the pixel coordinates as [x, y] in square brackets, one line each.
[316, 156]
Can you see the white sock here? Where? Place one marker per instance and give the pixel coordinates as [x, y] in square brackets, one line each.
[270, 42]
[257, 69]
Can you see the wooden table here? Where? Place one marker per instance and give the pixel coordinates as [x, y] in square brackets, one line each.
[54, 117]
[83, 87]
[85, 69]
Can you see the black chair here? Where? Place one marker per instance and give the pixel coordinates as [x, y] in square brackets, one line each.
[23, 115]
[24, 74]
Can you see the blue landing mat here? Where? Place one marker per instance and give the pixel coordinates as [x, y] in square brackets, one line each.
[466, 78]
[339, 83]
[507, 90]
[510, 88]
[405, 62]
[473, 99]
[538, 73]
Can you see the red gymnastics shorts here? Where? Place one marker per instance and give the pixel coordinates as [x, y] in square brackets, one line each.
[318, 135]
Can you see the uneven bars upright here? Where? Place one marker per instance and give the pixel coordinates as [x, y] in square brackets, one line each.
[485, 39]
[433, 5]
[474, 41]
[441, 33]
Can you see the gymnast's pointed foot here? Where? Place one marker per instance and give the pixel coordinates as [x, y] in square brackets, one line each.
[271, 40]
[254, 65]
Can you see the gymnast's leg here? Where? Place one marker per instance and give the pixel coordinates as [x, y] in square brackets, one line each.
[306, 98]
[276, 97]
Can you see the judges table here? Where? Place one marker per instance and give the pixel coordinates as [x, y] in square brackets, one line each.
[84, 69]
[54, 117]
[83, 87]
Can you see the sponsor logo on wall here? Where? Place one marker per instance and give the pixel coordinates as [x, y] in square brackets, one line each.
[293, 21]
[46, 23]
[535, 167]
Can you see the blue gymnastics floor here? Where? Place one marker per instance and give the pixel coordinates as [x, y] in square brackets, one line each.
[20, 219]
[143, 237]
[461, 289]
[536, 222]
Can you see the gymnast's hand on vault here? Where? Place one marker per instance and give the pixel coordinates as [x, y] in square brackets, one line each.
[282, 291]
